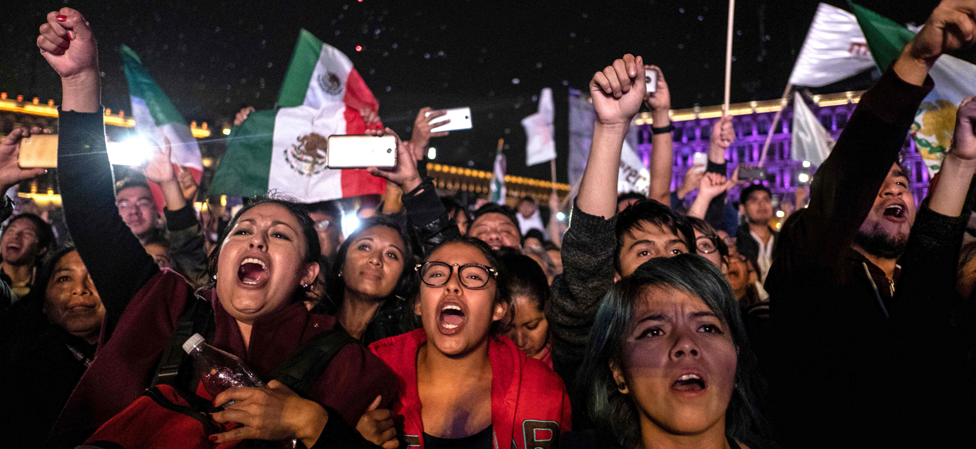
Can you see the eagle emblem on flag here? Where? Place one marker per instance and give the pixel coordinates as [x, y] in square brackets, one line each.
[308, 155]
[330, 83]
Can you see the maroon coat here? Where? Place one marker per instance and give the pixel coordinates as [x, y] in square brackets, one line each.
[125, 362]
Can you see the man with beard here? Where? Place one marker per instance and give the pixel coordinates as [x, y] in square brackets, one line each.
[865, 353]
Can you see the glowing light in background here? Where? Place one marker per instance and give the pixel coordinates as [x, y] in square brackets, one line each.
[136, 150]
[806, 164]
[350, 222]
[432, 153]
[359, 48]
[804, 177]
[780, 214]
[560, 216]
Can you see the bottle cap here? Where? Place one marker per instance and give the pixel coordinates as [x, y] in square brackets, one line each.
[192, 342]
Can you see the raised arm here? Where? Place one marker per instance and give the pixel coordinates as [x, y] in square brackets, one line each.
[425, 212]
[617, 92]
[662, 153]
[118, 265]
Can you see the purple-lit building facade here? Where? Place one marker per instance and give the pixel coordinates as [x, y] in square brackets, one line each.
[751, 122]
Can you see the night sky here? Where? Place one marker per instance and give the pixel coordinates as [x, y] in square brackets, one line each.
[214, 57]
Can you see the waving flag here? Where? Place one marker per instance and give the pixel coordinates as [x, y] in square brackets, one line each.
[811, 142]
[284, 149]
[497, 186]
[954, 78]
[540, 145]
[834, 49]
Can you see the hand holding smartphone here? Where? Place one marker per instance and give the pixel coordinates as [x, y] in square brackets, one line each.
[650, 78]
[39, 151]
[460, 118]
[750, 174]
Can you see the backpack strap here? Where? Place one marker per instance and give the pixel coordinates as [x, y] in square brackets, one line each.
[300, 371]
[196, 318]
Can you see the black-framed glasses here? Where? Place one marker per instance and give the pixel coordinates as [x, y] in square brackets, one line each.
[472, 275]
[706, 244]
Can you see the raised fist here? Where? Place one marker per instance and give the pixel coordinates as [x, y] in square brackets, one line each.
[951, 26]
[67, 43]
[618, 91]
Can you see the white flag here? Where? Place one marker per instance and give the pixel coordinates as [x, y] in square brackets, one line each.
[834, 49]
[497, 185]
[633, 175]
[811, 142]
[540, 143]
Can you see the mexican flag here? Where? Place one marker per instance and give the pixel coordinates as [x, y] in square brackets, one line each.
[284, 149]
[156, 117]
[954, 78]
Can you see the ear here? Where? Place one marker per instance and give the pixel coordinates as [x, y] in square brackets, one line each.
[500, 310]
[618, 378]
[42, 252]
[725, 265]
[742, 209]
[416, 307]
[311, 272]
[616, 276]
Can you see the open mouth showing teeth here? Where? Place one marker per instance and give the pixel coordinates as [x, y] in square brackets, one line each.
[252, 271]
[451, 316]
[689, 382]
[895, 210]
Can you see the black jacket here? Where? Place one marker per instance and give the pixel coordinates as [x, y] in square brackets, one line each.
[852, 367]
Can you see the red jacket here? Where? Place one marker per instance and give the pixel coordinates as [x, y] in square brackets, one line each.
[126, 359]
[529, 404]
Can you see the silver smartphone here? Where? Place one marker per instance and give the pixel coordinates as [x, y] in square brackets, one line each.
[650, 78]
[361, 151]
[39, 151]
[460, 119]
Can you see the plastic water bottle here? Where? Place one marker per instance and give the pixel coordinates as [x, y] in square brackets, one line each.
[219, 370]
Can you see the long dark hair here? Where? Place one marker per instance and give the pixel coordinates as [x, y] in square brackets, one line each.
[297, 210]
[524, 277]
[392, 318]
[38, 292]
[615, 413]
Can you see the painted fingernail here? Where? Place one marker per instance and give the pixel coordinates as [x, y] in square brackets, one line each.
[213, 437]
[61, 18]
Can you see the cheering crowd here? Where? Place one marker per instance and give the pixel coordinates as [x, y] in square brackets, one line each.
[438, 326]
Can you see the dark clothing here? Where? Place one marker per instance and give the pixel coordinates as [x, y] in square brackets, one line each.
[42, 363]
[428, 217]
[186, 242]
[853, 366]
[592, 439]
[588, 272]
[143, 303]
[480, 440]
[747, 245]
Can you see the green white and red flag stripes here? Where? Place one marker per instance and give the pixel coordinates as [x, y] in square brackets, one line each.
[954, 79]
[284, 150]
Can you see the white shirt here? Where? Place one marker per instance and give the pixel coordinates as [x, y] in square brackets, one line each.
[534, 221]
[765, 259]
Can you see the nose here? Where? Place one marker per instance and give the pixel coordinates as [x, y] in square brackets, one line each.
[453, 283]
[257, 241]
[685, 346]
[375, 259]
[81, 287]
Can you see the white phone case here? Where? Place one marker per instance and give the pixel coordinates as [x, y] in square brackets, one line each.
[361, 151]
[460, 119]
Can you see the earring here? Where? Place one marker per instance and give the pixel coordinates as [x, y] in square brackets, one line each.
[305, 286]
[340, 274]
[621, 386]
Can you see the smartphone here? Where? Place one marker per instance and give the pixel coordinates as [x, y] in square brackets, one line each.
[361, 151]
[750, 174]
[650, 78]
[699, 161]
[39, 151]
[460, 119]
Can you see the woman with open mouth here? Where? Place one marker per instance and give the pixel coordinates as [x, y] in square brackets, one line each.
[260, 270]
[668, 363]
[466, 385]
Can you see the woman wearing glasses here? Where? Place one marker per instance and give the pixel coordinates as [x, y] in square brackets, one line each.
[370, 279]
[463, 384]
[709, 245]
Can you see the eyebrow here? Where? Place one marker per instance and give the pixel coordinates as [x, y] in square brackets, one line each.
[273, 223]
[639, 242]
[667, 318]
[60, 270]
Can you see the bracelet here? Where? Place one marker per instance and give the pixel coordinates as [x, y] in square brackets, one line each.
[663, 129]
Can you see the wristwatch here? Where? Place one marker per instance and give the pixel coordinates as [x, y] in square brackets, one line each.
[663, 129]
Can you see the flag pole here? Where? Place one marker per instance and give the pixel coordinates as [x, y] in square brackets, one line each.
[772, 128]
[728, 57]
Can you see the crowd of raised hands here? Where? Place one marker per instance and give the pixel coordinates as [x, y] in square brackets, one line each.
[679, 318]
